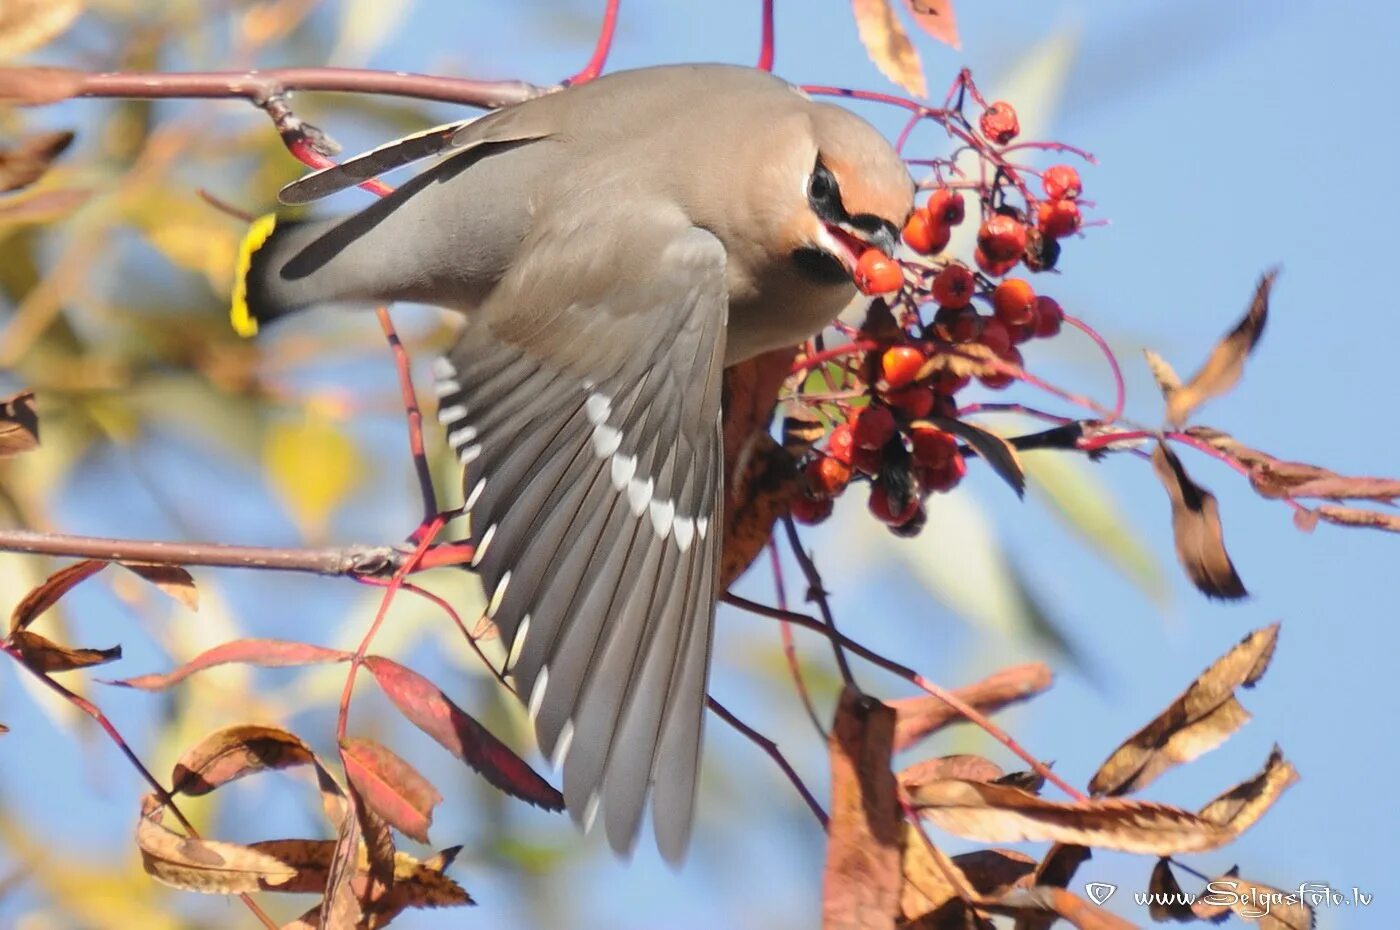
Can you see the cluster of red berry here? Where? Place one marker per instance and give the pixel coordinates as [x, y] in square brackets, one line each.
[926, 339]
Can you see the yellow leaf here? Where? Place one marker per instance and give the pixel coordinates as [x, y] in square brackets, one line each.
[314, 467]
[888, 45]
[28, 24]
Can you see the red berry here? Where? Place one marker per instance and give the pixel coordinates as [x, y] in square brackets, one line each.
[926, 235]
[932, 447]
[991, 268]
[1048, 317]
[955, 324]
[1014, 302]
[999, 122]
[946, 207]
[915, 401]
[841, 444]
[997, 380]
[867, 461]
[946, 384]
[827, 477]
[953, 286]
[1002, 238]
[883, 508]
[809, 511]
[996, 336]
[900, 365]
[1058, 218]
[874, 427]
[1061, 182]
[877, 273]
[942, 478]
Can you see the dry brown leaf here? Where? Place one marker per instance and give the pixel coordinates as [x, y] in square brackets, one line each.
[966, 766]
[1269, 907]
[415, 884]
[231, 753]
[936, 18]
[390, 787]
[19, 424]
[1196, 529]
[1001, 814]
[888, 45]
[51, 590]
[206, 866]
[861, 884]
[29, 159]
[1226, 363]
[1168, 381]
[917, 717]
[342, 904]
[1201, 718]
[170, 579]
[1056, 870]
[1168, 899]
[756, 498]
[44, 655]
[964, 360]
[1353, 516]
[934, 894]
[28, 24]
[991, 448]
[1243, 805]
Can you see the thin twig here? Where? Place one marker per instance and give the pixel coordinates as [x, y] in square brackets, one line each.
[789, 647]
[770, 747]
[817, 594]
[600, 48]
[412, 414]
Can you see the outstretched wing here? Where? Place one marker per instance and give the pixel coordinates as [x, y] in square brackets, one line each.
[584, 399]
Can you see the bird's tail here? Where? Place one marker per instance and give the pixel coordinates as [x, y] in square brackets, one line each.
[282, 267]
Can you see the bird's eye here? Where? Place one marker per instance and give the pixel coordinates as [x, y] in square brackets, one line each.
[822, 187]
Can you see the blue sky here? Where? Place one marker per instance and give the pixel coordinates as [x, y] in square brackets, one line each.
[1230, 137]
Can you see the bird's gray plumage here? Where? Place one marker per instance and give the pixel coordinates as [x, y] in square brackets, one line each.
[613, 247]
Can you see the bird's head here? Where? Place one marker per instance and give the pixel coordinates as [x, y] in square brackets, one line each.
[855, 194]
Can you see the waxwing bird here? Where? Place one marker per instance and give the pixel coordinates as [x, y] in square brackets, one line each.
[611, 248]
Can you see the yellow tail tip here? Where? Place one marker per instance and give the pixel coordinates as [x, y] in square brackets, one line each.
[244, 323]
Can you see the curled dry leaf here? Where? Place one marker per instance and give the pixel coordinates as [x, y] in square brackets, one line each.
[966, 766]
[170, 579]
[342, 905]
[268, 653]
[1226, 363]
[1001, 814]
[862, 880]
[1270, 908]
[935, 892]
[206, 866]
[917, 717]
[965, 360]
[427, 708]
[1168, 381]
[802, 431]
[1056, 870]
[46, 656]
[1277, 478]
[1196, 529]
[415, 883]
[19, 424]
[54, 587]
[1201, 718]
[391, 787]
[1353, 516]
[1057, 902]
[29, 24]
[991, 448]
[1241, 806]
[27, 160]
[888, 45]
[231, 753]
[936, 18]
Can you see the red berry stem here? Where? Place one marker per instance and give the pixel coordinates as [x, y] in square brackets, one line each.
[1119, 390]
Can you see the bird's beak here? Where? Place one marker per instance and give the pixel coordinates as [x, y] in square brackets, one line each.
[848, 242]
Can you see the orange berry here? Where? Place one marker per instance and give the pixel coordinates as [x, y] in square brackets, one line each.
[1061, 182]
[955, 324]
[874, 427]
[877, 273]
[841, 444]
[942, 478]
[914, 401]
[925, 235]
[900, 365]
[946, 207]
[999, 122]
[884, 509]
[994, 269]
[1058, 218]
[996, 336]
[1002, 238]
[953, 286]
[1014, 302]
[826, 477]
